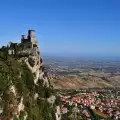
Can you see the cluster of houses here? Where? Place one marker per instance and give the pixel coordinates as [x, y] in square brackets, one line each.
[102, 103]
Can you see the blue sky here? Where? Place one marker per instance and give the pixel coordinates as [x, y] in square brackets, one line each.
[81, 27]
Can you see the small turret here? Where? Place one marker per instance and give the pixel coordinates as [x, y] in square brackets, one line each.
[23, 38]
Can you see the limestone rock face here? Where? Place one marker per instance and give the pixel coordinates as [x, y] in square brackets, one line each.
[35, 64]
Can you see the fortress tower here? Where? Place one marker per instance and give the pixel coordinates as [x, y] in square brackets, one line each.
[30, 41]
[31, 34]
[29, 44]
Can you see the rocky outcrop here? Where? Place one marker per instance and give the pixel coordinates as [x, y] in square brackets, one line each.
[25, 90]
[35, 64]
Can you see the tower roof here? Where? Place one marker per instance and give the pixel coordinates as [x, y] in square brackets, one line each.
[31, 30]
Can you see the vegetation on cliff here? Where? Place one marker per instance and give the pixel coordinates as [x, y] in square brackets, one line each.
[17, 74]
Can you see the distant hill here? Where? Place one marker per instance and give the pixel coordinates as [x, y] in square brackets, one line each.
[77, 74]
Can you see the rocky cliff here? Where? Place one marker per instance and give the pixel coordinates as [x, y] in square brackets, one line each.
[25, 90]
[34, 62]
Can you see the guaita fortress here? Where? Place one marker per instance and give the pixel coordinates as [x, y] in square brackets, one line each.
[28, 44]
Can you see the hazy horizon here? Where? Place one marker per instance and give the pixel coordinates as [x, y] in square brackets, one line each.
[81, 56]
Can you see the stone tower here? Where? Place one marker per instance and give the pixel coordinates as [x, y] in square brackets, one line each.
[31, 35]
[30, 40]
